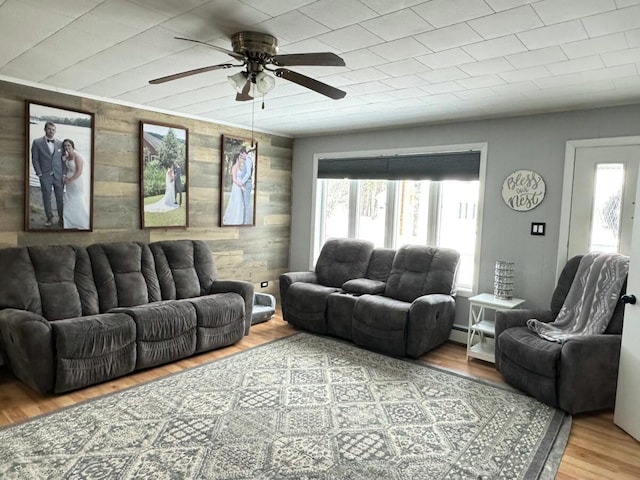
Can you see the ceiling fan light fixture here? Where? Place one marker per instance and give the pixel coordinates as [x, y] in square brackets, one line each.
[264, 83]
[237, 81]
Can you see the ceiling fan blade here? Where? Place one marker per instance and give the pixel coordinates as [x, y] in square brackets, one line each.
[235, 55]
[310, 83]
[244, 95]
[188, 73]
[325, 59]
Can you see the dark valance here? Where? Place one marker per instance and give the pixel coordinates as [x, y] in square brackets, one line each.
[432, 166]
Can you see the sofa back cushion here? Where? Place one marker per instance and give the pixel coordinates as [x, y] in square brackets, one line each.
[124, 273]
[342, 259]
[18, 285]
[54, 281]
[185, 268]
[380, 264]
[65, 281]
[420, 270]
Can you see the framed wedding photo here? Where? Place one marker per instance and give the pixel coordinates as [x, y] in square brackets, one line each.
[238, 182]
[164, 150]
[59, 169]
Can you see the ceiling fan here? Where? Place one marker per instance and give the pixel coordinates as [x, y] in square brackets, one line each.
[258, 52]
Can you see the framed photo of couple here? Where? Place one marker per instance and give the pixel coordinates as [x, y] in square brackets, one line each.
[59, 169]
[164, 150]
[238, 182]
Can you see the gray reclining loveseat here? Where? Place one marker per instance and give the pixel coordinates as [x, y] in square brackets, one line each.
[75, 316]
[395, 302]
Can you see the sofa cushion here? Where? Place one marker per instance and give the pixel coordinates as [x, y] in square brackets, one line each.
[542, 387]
[124, 273]
[65, 281]
[220, 320]
[306, 304]
[18, 285]
[525, 347]
[380, 264]
[185, 268]
[54, 281]
[419, 270]
[379, 323]
[93, 349]
[165, 331]
[341, 260]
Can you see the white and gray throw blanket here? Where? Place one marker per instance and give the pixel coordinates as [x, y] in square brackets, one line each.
[591, 300]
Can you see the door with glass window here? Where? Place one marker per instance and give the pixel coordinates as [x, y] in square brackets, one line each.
[603, 199]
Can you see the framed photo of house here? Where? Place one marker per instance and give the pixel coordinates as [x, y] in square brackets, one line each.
[59, 169]
[238, 182]
[164, 150]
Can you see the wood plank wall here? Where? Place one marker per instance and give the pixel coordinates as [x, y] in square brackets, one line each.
[247, 253]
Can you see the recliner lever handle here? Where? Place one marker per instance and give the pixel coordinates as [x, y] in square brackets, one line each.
[628, 299]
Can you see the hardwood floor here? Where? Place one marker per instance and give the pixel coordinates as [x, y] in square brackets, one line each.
[597, 449]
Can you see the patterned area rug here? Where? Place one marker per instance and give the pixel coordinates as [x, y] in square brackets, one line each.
[303, 407]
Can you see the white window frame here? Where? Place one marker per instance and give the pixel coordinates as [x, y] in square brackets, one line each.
[391, 221]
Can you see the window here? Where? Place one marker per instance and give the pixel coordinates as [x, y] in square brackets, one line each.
[372, 208]
[395, 213]
[336, 209]
[457, 224]
[607, 202]
[404, 198]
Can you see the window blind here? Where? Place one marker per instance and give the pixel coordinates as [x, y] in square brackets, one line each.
[432, 166]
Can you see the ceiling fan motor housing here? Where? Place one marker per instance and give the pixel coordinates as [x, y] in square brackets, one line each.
[255, 46]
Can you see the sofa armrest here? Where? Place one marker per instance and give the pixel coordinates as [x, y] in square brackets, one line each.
[286, 279]
[589, 373]
[27, 340]
[516, 318]
[242, 288]
[429, 323]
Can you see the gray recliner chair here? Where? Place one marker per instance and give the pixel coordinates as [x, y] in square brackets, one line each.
[577, 376]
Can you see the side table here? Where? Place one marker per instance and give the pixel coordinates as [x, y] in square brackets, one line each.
[480, 337]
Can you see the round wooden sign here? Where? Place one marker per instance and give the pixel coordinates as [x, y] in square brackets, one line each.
[523, 190]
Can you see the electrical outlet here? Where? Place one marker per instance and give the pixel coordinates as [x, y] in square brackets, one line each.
[264, 284]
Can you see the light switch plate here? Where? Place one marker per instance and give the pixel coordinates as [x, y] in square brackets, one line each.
[538, 228]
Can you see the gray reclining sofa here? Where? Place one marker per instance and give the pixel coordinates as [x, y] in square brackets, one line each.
[400, 303]
[74, 316]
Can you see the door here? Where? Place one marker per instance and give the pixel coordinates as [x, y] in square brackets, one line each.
[627, 414]
[602, 202]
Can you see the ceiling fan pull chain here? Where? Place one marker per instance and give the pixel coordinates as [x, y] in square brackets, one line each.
[253, 116]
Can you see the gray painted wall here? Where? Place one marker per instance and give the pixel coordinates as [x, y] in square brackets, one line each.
[535, 142]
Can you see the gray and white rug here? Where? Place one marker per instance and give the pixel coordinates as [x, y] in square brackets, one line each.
[303, 407]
